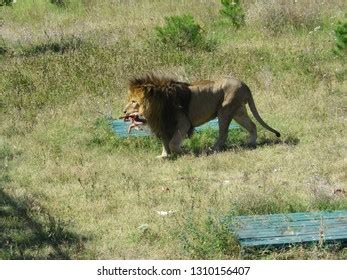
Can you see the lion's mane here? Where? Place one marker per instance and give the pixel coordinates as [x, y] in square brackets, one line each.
[163, 98]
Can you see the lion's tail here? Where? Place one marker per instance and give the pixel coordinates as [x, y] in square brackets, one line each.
[255, 113]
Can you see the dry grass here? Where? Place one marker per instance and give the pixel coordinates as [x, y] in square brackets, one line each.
[280, 16]
[98, 195]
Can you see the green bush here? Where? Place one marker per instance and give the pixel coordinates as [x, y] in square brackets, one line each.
[182, 32]
[341, 36]
[60, 3]
[3, 48]
[6, 2]
[233, 10]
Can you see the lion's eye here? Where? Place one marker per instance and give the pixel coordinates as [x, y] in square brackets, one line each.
[133, 101]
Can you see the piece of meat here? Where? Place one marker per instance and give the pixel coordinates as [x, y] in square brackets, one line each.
[136, 121]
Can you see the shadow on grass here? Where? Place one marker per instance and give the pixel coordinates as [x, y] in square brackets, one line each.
[289, 140]
[29, 232]
[59, 45]
[240, 145]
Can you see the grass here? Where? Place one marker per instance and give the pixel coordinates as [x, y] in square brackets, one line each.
[70, 188]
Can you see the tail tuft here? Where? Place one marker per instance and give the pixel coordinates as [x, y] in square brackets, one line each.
[278, 134]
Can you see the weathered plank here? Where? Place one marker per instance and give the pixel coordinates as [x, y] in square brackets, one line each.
[120, 127]
[291, 228]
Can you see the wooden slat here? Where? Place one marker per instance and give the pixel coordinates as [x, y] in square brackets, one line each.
[258, 242]
[296, 216]
[282, 229]
[292, 232]
[243, 226]
[121, 128]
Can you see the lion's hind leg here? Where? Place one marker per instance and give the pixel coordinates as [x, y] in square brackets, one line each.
[242, 118]
[225, 116]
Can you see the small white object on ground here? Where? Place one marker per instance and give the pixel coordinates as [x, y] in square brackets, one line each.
[166, 213]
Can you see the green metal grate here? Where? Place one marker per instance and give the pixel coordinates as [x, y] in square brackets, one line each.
[285, 229]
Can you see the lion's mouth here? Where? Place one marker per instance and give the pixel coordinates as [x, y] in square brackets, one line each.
[134, 118]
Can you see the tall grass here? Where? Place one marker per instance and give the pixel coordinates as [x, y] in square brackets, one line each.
[283, 16]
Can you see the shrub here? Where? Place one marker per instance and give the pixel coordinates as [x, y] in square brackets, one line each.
[233, 10]
[6, 2]
[2, 50]
[341, 36]
[182, 32]
[60, 3]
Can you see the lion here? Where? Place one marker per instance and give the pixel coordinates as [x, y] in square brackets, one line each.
[172, 108]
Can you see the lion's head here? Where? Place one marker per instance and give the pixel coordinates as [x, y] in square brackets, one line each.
[136, 101]
[158, 99]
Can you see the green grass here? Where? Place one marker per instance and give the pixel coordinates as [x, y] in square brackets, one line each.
[70, 188]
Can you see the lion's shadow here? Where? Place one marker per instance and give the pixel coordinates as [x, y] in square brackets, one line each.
[262, 142]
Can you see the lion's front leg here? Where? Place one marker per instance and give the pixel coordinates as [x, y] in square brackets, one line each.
[176, 141]
[183, 127]
[165, 151]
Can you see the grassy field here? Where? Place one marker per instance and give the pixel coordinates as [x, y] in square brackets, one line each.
[70, 188]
